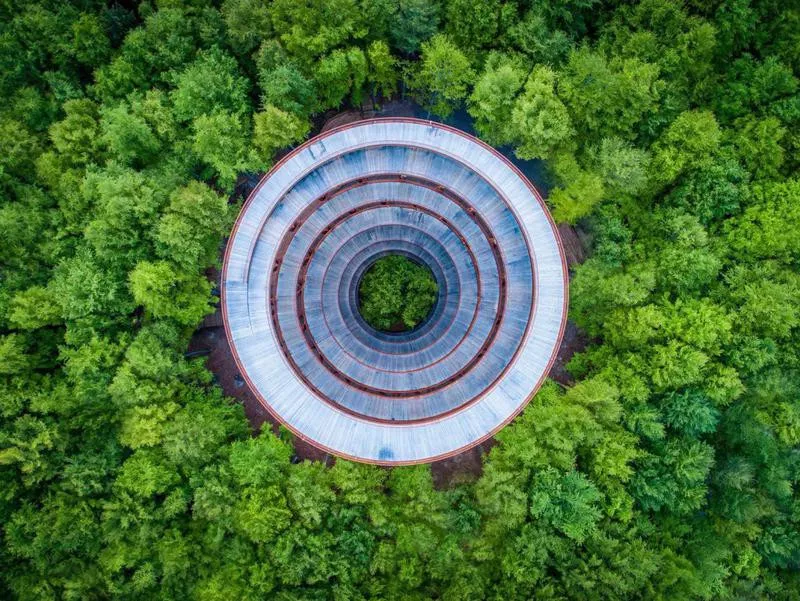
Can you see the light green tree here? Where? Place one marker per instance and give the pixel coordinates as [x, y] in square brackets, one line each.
[210, 84]
[167, 293]
[190, 229]
[222, 141]
[128, 136]
[276, 129]
[689, 142]
[540, 122]
[493, 99]
[310, 30]
[34, 308]
[580, 192]
[609, 97]
[382, 72]
[622, 166]
[339, 74]
[443, 76]
[247, 22]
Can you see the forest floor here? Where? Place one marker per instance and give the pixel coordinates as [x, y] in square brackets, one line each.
[210, 340]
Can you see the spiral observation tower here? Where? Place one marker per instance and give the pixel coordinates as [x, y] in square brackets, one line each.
[321, 218]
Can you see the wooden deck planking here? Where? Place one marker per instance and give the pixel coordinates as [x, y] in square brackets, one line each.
[460, 164]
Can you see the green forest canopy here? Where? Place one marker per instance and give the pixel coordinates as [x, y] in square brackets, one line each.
[396, 293]
[668, 470]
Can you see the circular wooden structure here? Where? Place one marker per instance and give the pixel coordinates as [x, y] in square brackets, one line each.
[321, 217]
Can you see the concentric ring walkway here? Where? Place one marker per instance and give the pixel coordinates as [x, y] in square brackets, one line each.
[317, 222]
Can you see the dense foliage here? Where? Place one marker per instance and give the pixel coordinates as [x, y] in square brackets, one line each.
[396, 293]
[669, 470]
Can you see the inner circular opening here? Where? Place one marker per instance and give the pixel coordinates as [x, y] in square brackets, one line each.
[397, 294]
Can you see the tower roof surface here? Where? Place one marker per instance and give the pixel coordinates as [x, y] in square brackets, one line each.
[321, 217]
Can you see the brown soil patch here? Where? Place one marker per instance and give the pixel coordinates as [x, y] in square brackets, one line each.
[346, 117]
[573, 247]
[574, 341]
[463, 468]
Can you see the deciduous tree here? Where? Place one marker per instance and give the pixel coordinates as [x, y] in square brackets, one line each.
[493, 99]
[443, 76]
[540, 122]
[167, 293]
